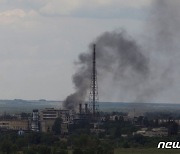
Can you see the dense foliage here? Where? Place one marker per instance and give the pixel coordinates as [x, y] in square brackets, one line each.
[117, 133]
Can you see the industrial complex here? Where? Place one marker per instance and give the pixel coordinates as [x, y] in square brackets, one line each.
[43, 120]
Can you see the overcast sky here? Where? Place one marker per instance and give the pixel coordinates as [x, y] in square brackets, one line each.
[41, 39]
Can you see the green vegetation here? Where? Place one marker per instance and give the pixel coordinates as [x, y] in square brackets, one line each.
[56, 128]
[110, 137]
[31, 143]
[41, 143]
[47, 143]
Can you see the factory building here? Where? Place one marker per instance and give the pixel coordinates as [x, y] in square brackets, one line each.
[15, 125]
[70, 119]
[77, 120]
[83, 116]
[49, 115]
[47, 119]
[66, 115]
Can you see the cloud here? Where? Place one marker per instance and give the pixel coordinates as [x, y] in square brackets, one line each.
[62, 7]
[79, 8]
[11, 16]
[14, 15]
[65, 7]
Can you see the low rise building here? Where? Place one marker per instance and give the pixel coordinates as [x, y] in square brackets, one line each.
[47, 119]
[49, 115]
[160, 121]
[15, 124]
[155, 132]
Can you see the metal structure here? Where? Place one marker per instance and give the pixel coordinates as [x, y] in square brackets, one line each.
[93, 97]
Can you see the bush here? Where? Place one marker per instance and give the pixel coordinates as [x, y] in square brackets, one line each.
[77, 151]
[6, 147]
[42, 149]
[126, 145]
[62, 152]
[29, 151]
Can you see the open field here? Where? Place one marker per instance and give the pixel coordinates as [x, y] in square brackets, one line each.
[147, 151]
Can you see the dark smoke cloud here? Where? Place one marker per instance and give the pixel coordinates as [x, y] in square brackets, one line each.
[128, 71]
[164, 50]
[117, 54]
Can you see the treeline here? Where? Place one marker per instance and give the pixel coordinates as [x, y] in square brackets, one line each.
[30, 143]
[48, 143]
[82, 140]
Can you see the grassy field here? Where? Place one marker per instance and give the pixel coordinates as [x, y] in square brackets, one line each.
[146, 151]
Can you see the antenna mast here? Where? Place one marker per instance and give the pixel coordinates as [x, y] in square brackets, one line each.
[93, 98]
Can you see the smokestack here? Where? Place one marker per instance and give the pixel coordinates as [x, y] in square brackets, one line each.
[80, 108]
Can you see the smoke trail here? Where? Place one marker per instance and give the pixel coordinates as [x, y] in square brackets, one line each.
[117, 54]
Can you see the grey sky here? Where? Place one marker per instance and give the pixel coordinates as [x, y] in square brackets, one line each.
[40, 40]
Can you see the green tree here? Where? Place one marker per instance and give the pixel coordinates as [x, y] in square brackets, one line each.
[6, 147]
[34, 138]
[77, 151]
[29, 151]
[173, 128]
[139, 139]
[14, 148]
[21, 142]
[61, 151]
[56, 128]
[42, 149]
[126, 145]
[48, 139]
[117, 133]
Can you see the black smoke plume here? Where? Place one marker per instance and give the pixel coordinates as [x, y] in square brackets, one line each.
[128, 71]
[117, 54]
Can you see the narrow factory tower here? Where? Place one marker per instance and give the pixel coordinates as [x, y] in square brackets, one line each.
[93, 98]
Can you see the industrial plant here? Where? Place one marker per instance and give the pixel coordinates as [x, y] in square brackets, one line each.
[87, 113]
[43, 120]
